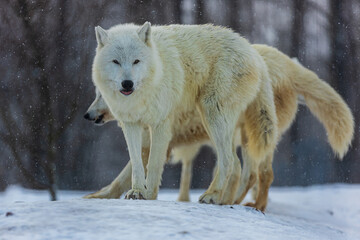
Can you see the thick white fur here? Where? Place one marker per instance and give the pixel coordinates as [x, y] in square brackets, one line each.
[182, 70]
[284, 76]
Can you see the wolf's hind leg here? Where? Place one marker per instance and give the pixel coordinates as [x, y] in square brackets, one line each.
[259, 136]
[255, 190]
[185, 181]
[248, 176]
[117, 187]
[121, 183]
[266, 176]
[186, 154]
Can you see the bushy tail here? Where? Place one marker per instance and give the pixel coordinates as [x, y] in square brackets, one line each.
[328, 106]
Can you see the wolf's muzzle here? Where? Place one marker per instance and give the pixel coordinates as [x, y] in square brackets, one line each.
[88, 117]
[99, 119]
[127, 87]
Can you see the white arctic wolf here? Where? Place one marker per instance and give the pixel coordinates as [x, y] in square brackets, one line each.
[155, 77]
[290, 82]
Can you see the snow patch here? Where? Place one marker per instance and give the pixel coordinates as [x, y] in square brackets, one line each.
[317, 212]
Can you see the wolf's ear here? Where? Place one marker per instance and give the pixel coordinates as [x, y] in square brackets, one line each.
[101, 36]
[144, 32]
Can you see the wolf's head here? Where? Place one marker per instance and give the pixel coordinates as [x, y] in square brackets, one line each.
[99, 111]
[124, 58]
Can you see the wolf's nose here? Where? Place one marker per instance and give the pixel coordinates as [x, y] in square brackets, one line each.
[87, 116]
[127, 84]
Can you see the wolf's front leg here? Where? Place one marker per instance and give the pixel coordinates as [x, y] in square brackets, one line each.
[117, 187]
[160, 137]
[132, 133]
[220, 128]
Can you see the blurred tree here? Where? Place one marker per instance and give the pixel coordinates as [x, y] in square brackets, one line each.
[40, 96]
[342, 73]
[241, 17]
[154, 11]
[338, 44]
[35, 131]
[177, 11]
[296, 50]
[297, 29]
[138, 11]
[200, 12]
[234, 8]
[352, 21]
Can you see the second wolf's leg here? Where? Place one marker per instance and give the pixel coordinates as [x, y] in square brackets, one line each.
[186, 154]
[258, 135]
[121, 183]
[266, 176]
[117, 187]
[185, 181]
[255, 190]
[251, 163]
[249, 172]
[160, 137]
[248, 176]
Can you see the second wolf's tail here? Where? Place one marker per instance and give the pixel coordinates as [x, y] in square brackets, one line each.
[328, 106]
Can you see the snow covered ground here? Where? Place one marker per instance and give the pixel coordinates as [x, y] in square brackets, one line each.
[317, 212]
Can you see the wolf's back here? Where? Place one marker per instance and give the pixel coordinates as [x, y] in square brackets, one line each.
[328, 106]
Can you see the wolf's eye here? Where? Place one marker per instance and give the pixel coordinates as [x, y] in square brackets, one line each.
[116, 62]
[136, 61]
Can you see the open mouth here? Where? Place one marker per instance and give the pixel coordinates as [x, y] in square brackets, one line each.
[126, 92]
[99, 120]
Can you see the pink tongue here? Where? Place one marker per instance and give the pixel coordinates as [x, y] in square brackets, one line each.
[126, 92]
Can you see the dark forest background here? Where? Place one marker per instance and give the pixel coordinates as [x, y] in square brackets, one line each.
[46, 52]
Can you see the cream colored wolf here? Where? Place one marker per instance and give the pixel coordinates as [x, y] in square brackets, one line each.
[160, 80]
[288, 81]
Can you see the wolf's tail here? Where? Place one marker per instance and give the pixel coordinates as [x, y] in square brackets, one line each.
[328, 106]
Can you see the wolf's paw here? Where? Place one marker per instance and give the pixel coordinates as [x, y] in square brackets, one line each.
[211, 198]
[135, 194]
[97, 194]
[106, 192]
[256, 206]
